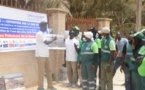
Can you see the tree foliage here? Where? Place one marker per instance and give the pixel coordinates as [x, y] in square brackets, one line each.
[122, 12]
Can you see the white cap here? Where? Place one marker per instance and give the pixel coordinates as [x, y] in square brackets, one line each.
[88, 35]
[104, 30]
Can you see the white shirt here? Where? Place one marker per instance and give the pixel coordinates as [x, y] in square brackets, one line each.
[41, 47]
[71, 53]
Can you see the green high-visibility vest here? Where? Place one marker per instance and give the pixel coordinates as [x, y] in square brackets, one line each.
[105, 49]
[98, 42]
[129, 58]
[129, 53]
[86, 52]
[79, 54]
[141, 68]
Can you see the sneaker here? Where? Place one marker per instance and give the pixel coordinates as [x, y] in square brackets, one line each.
[74, 86]
[69, 85]
[52, 88]
[40, 88]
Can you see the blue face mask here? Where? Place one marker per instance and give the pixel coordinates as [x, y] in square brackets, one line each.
[84, 39]
[97, 35]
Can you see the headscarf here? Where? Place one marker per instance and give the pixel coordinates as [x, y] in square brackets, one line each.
[89, 35]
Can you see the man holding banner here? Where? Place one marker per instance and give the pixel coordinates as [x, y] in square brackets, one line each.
[42, 54]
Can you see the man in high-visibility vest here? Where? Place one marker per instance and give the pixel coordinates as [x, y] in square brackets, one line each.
[89, 54]
[129, 60]
[98, 62]
[138, 53]
[130, 55]
[141, 68]
[107, 51]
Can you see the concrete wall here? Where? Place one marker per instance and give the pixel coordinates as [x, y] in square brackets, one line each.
[20, 62]
[103, 22]
[56, 18]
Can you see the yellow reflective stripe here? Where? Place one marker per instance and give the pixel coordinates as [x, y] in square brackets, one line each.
[106, 51]
[91, 82]
[87, 53]
[128, 53]
[132, 59]
[91, 88]
[84, 80]
[84, 86]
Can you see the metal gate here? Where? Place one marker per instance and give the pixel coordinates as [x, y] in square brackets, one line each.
[82, 23]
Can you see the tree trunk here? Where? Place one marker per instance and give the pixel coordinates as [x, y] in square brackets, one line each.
[138, 15]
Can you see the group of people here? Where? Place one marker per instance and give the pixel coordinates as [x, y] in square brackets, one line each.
[99, 50]
[95, 50]
[88, 54]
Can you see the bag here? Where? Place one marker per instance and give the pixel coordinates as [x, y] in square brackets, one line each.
[139, 60]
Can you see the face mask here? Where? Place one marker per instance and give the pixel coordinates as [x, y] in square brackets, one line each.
[84, 39]
[130, 42]
[97, 35]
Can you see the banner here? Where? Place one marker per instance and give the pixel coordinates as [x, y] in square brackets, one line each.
[18, 29]
[58, 43]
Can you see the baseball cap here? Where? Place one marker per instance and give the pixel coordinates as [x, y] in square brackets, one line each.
[75, 28]
[138, 35]
[104, 30]
[88, 35]
[43, 23]
[143, 31]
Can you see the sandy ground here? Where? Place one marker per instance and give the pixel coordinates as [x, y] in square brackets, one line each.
[118, 80]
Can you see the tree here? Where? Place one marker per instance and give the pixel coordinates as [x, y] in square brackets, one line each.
[123, 12]
[43, 4]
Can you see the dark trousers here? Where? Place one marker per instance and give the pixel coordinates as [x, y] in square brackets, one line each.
[126, 73]
[136, 80]
[143, 82]
[87, 73]
[98, 65]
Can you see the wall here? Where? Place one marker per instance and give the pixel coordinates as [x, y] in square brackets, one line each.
[57, 24]
[20, 62]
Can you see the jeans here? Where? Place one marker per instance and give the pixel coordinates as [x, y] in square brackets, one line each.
[126, 73]
[127, 78]
[117, 65]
